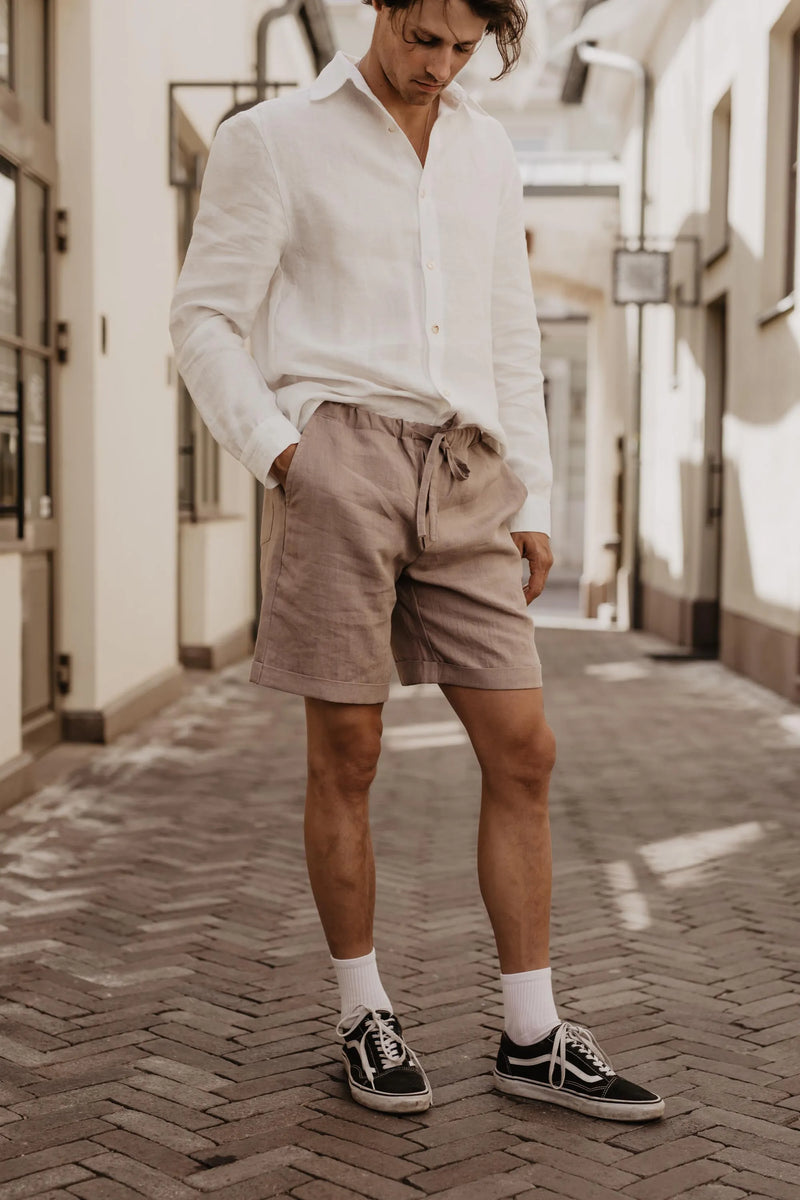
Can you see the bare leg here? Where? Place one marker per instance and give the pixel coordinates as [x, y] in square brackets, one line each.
[516, 751]
[343, 748]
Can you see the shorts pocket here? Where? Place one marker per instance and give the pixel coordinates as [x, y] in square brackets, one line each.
[267, 515]
[302, 447]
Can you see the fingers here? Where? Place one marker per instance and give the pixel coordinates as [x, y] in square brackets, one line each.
[540, 564]
[280, 467]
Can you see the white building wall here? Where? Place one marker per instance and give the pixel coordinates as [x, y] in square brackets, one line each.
[134, 232]
[696, 55]
[117, 464]
[694, 64]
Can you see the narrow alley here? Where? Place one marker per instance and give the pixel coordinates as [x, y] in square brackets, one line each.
[168, 1006]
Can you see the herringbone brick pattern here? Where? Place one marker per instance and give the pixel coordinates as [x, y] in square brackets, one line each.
[168, 1007]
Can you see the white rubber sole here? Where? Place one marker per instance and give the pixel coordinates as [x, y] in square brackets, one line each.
[606, 1110]
[419, 1102]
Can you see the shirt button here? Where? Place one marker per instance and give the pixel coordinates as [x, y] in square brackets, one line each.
[446, 393]
[429, 266]
[434, 328]
[390, 128]
[422, 193]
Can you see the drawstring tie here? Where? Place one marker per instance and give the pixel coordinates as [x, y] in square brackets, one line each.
[427, 505]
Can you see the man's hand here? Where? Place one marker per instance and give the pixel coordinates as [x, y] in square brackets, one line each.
[536, 548]
[280, 466]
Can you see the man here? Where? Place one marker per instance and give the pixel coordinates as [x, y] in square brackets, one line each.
[367, 234]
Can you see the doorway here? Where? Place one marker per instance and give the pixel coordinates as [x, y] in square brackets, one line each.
[28, 396]
[707, 620]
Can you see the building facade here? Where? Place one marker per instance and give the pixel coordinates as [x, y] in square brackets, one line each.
[693, 412]
[127, 538]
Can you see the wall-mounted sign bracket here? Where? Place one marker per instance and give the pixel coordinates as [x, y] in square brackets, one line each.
[644, 271]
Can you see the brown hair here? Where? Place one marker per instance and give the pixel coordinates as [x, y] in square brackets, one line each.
[506, 20]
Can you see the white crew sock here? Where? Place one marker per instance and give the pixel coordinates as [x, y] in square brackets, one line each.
[360, 983]
[528, 1004]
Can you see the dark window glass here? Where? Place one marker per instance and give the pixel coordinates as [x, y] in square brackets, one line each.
[9, 431]
[34, 258]
[37, 489]
[5, 43]
[185, 450]
[8, 248]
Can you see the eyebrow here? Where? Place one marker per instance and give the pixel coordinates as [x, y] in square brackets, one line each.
[436, 37]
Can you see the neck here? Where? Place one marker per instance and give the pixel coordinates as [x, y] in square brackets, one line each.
[417, 117]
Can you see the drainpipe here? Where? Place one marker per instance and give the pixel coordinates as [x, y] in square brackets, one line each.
[313, 16]
[622, 62]
[289, 9]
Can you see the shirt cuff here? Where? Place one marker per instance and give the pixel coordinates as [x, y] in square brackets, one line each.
[533, 517]
[264, 445]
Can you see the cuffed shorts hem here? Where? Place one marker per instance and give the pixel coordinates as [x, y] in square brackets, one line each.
[318, 689]
[496, 678]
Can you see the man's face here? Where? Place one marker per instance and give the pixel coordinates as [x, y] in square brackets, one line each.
[427, 43]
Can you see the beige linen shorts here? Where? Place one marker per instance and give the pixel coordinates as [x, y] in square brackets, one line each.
[391, 540]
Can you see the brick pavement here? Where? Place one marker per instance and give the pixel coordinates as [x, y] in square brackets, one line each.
[167, 1004]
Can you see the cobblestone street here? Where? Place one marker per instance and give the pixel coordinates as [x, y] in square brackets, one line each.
[168, 1005]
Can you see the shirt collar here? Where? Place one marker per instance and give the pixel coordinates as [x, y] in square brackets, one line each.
[343, 67]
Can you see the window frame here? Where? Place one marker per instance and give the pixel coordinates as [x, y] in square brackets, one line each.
[718, 228]
[780, 267]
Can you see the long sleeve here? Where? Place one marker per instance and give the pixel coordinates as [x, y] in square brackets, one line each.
[237, 240]
[516, 342]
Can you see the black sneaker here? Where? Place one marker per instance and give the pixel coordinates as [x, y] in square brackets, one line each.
[568, 1067]
[382, 1071]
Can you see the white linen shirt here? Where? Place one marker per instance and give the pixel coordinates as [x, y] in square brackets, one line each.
[360, 276]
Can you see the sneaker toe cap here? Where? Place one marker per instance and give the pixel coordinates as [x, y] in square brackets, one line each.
[631, 1093]
[403, 1081]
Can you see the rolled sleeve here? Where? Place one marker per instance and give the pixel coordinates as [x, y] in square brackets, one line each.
[516, 343]
[233, 259]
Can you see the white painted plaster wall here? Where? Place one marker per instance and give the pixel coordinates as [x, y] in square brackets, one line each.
[117, 492]
[695, 62]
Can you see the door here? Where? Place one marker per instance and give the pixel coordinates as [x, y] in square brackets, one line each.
[707, 625]
[28, 405]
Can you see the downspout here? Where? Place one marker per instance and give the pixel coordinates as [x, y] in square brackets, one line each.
[608, 58]
[313, 16]
[289, 9]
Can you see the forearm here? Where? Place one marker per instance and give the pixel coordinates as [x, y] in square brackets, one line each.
[237, 241]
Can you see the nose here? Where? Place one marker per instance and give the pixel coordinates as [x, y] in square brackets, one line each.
[438, 63]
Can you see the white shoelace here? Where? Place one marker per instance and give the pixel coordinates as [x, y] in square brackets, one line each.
[392, 1050]
[584, 1040]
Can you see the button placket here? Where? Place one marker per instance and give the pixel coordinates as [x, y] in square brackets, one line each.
[430, 257]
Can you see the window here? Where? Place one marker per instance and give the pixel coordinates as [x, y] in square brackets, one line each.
[717, 229]
[25, 488]
[781, 197]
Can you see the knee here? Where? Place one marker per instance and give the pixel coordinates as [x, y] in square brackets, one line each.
[344, 761]
[525, 762]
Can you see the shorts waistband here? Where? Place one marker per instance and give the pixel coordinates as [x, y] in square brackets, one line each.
[358, 416]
